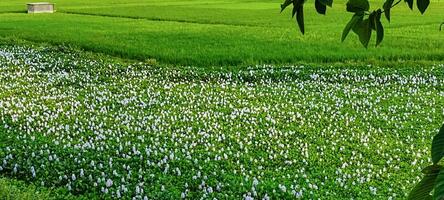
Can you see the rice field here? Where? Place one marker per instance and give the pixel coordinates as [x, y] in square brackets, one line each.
[223, 32]
[101, 128]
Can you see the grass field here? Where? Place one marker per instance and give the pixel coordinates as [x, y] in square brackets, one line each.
[230, 32]
[11, 190]
[204, 99]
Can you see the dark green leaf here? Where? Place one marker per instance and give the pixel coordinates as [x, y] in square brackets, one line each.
[438, 146]
[432, 169]
[379, 28]
[440, 27]
[354, 20]
[422, 5]
[320, 8]
[379, 33]
[410, 3]
[372, 19]
[300, 18]
[364, 31]
[423, 188]
[439, 187]
[285, 4]
[356, 6]
[387, 7]
[327, 2]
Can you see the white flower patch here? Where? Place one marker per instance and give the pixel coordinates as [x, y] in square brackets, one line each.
[132, 131]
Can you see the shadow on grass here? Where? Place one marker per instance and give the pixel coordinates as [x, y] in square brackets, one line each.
[14, 12]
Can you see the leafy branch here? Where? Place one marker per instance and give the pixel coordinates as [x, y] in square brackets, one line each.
[363, 22]
[432, 184]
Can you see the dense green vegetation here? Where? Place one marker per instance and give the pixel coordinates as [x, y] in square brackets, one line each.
[230, 32]
[227, 100]
[102, 128]
[12, 190]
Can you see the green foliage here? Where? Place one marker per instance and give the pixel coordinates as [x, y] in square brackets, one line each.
[387, 7]
[320, 7]
[364, 31]
[362, 27]
[422, 5]
[298, 10]
[357, 18]
[409, 3]
[433, 179]
[439, 187]
[438, 146]
[375, 21]
[423, 188]
[358, 6]
[11, 189]
[14, 190]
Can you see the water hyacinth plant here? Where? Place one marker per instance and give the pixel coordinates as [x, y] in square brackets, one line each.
[100, 128]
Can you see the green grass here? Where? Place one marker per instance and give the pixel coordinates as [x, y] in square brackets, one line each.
[231, 32]
[12, 190]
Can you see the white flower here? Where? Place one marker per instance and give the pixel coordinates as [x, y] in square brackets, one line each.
[282, 188]
[373, 190]
[33, 171]
[255, 182]
[109, 183]
[248, 197]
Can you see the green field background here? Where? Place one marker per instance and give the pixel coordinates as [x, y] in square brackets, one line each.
[230, 32]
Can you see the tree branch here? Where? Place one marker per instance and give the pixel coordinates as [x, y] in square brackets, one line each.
[399, 1]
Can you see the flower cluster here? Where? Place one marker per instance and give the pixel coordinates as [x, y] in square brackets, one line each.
[93, 125]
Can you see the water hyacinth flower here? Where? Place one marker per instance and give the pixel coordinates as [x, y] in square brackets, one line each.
[109, 183]
[373, 190]
[33, 172]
